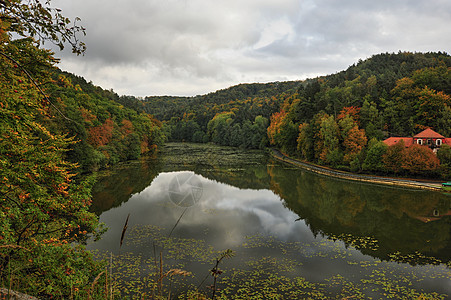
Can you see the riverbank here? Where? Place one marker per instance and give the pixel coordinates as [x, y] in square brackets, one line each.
[433, 186]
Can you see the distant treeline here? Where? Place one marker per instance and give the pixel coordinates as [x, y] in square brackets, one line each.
[237, 116]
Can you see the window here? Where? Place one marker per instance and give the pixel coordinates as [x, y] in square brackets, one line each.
[420, 142]
[438, 142]
[429, 142]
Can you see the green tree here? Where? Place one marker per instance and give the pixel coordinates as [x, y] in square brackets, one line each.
[370, 119]
[444, 155]
[373, 160]
[218, 128]
[306, 141]
[329, 134]
[259, 138]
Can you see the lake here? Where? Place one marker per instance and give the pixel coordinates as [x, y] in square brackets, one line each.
[294, 234]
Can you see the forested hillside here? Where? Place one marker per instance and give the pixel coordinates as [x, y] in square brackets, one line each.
[340, 120]
[244, 109]
[106, 132]
[332, 120]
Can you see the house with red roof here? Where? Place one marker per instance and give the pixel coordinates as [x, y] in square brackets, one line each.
[427, 137]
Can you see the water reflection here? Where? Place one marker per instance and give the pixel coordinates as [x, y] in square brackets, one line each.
[399, 219]
[248, 189]
[115, 186]
[228, 213]
[282, 220]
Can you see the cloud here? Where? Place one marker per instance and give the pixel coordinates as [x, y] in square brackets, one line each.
[189, 47]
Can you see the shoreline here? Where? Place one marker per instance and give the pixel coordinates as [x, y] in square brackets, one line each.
[355, 177]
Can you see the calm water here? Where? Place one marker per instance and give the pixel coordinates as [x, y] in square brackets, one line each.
[294, 234]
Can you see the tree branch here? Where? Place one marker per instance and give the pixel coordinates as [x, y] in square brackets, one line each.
[36, 85]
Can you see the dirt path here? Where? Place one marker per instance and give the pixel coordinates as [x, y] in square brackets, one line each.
[435, 186]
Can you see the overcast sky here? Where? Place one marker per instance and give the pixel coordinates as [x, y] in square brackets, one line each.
[193, 47]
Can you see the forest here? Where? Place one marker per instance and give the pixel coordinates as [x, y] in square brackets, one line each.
[338, 120]
[57, 129]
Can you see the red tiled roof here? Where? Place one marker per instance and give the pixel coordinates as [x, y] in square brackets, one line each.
[447, 141]
[394, 140]
[429, 133]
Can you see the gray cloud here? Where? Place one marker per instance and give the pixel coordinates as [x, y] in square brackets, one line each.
[189, 47]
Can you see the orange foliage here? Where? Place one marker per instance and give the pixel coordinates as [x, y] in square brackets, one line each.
[87, 115]
[155, 121]
[352, 111]
[274, 127]
[147, 147]
[354, 142]
[418, 159]
[144, 145]
[101, 135]
[127, 127]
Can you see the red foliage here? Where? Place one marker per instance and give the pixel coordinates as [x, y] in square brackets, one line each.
[87, 115]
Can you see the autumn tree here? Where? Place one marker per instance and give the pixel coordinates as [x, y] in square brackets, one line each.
[350, 111]
[42, 23]
[354, 143]
[353, 138]
[419, 160]
[274, 127]
[394, 157]
[282, 132]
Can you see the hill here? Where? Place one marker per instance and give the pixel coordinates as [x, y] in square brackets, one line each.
[332, 120]
[106, 132]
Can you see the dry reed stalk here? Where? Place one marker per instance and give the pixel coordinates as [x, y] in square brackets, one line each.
[161, 274]
[111, 273]
[91, 290]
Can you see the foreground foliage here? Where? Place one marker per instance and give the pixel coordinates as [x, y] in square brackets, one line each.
[44, 217]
